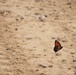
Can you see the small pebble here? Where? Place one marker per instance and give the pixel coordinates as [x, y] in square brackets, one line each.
[41, 9]
[29, 38]
[74, 60]
[36, 70]
[42, 18]
[50, 66]
[53, 37]
[18, 46]
[71, 45]
[44, 55]
[64, 60]
[14, 53]
[45, 15]
[16, 29]
[21, 17]
[72, 53]
[36, 13]
[69, 68]
[64, 41]
[8, 49]
[57, 54]
[42, 74]
[42, 66]
[68, 3]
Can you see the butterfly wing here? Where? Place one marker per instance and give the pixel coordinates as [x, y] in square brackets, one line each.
[57, 46]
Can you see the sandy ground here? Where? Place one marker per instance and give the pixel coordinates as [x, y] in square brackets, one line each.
[28, 30]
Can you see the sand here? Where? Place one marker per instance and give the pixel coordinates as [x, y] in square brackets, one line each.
[28, 30]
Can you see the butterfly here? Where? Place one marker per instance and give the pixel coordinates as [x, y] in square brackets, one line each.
[57, 46]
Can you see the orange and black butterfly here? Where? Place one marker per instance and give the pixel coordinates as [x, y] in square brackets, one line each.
[57, 46]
